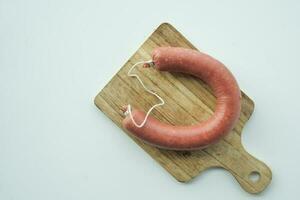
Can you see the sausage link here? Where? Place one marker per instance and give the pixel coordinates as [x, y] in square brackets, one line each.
[205, 133]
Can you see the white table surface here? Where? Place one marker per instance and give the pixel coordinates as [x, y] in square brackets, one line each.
[56, 55]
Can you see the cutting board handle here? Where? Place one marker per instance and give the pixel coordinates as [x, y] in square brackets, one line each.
[252, 174]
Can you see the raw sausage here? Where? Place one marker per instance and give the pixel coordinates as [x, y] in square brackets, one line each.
[203, 134]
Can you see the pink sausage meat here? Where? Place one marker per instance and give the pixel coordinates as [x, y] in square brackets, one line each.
[205, 133]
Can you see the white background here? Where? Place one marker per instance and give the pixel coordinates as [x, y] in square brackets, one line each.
[55, 56]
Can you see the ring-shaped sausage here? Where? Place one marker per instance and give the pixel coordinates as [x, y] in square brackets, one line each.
[205, 133]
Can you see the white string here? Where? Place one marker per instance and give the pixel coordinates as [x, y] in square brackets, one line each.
[128, 111]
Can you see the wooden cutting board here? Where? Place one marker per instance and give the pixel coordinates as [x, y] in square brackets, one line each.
[188, 100]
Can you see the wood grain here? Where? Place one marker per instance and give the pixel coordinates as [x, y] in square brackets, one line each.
[188, 101]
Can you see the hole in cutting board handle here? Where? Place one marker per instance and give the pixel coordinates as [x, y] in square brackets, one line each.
[254, 176]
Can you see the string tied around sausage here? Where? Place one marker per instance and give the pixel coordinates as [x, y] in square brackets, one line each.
[128, 110]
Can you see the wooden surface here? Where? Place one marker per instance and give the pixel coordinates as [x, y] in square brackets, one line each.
[188, 100]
